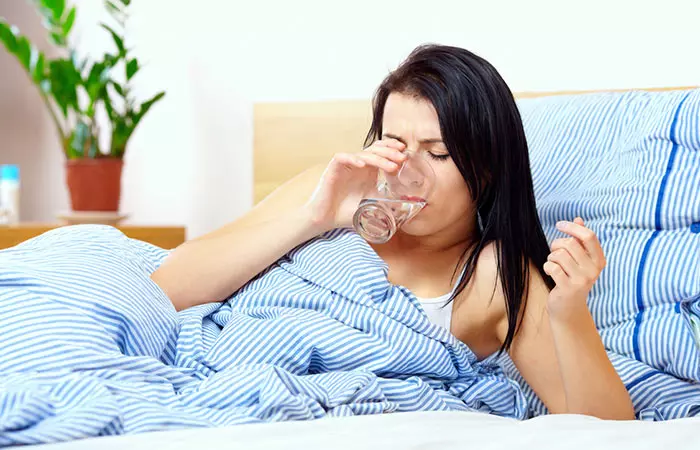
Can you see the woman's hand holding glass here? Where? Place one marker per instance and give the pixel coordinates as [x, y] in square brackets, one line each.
[348, 179]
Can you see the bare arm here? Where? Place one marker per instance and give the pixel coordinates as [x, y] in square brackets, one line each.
[558, 349]
[213, 267]
[565, 362]
[591, 384]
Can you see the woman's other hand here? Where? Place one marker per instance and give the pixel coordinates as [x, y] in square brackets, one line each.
[575, 264]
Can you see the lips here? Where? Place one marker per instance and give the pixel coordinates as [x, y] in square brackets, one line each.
[412, 198]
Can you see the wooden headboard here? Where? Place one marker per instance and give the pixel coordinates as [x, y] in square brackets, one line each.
[291, 137]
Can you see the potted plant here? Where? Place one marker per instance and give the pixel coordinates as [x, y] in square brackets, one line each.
[73, 88]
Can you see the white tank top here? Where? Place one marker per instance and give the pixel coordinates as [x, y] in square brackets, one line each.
[437, 310]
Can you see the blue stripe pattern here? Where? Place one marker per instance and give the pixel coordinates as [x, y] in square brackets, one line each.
[657, 220]
[629, 164]
[91, 346]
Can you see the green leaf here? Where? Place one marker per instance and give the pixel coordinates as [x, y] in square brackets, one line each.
[145, 106]
[49, 5]
[115, 37]
[79, 141]
[96, 81]
[124, 126]
[68, 23]
[131, 68]
[110, 60]
[28, 56]
[121, 132]
[107, 101]
[23, 52]
[59, 8]
[38, 69]
[65, 80]
[92, 150]
[8, 36]
[113, 8]
[82, 142]
[126, 2]
[48, 10]
[58, 39]
[52, 8]
[118, 88]
[117, 12]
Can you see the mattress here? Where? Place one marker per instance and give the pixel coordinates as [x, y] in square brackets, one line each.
[424, 430]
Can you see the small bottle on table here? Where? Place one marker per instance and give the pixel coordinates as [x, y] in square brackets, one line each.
[9, 194]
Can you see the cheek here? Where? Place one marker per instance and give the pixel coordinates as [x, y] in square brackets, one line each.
[451, 190]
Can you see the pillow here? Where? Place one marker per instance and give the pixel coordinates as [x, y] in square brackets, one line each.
[629, 165]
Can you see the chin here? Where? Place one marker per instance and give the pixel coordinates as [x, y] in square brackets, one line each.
[418, 227]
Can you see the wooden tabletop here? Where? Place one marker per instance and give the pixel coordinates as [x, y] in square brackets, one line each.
[163, 236]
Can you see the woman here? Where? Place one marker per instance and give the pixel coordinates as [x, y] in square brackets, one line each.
[480, 227]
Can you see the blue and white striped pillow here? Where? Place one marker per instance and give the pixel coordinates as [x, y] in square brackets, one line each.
[629, 165]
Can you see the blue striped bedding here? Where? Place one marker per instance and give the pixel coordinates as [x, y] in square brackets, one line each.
[90, 346]
[629, 164]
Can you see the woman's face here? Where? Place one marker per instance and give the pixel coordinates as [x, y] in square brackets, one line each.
[414, 122]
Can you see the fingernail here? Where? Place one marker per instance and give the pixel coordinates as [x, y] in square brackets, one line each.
[561, 225]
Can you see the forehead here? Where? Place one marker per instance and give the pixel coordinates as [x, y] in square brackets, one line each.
[410, 114]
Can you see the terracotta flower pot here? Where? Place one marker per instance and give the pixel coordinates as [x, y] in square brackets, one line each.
[94, 184]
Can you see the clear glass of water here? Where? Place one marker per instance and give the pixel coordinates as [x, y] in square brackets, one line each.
[398, 198]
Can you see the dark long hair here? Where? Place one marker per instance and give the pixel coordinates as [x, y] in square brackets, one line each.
[483, 132]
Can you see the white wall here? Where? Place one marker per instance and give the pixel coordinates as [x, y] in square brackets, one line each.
[219, 57]
[27, 137]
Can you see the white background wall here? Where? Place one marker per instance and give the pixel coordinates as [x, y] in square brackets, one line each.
[191, 161]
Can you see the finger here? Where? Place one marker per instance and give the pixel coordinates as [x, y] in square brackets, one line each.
[378, 161]
[348, 159]
[574, 247]
[565, 261]
[556, 272]
[389, 153]
[390, 142]
[579, 221]
[587, 238]
[584, 264]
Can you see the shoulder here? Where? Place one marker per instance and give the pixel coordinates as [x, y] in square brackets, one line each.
[488, 292]
[482, 307]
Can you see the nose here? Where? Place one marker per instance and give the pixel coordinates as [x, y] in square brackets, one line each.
[411, 174]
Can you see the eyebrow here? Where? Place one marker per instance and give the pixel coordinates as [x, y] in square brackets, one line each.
[422, 141]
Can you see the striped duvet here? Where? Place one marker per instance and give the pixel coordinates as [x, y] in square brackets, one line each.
[90, 346]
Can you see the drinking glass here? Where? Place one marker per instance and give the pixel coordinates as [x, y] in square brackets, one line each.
[398, 198]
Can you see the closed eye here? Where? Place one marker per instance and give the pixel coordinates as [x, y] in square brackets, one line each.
[439, 156]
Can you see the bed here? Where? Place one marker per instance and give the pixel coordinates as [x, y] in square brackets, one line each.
[290, 137]
[420, 430]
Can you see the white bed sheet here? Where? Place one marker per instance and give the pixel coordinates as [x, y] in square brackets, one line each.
[418, 430]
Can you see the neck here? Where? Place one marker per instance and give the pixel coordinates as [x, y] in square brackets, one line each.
[448, 241]
[426, 264]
